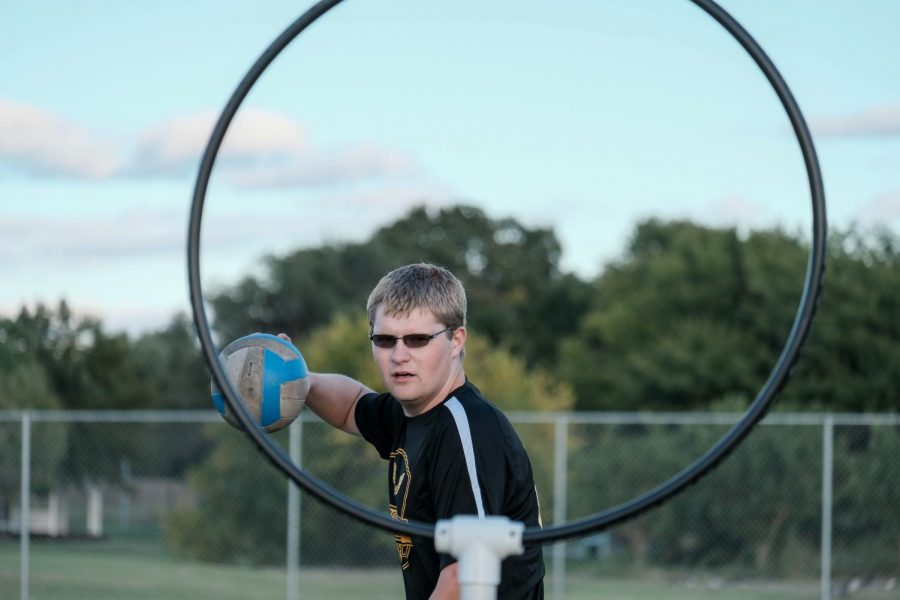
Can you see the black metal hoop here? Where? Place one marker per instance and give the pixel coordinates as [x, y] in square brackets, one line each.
[779, 375]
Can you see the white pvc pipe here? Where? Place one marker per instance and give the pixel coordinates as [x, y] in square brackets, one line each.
[479, 544]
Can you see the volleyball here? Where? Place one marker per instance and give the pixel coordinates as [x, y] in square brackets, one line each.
[270, 376]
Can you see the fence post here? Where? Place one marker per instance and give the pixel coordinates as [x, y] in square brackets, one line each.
[560, 485]
[124, 495]
[295, 439]
[827, 491]
[25, 505]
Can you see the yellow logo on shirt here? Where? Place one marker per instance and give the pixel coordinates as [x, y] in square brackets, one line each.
[400, 481]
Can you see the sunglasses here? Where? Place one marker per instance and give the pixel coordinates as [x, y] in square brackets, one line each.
[413, 340]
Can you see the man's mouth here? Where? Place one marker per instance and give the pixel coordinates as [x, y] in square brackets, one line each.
[402, 375]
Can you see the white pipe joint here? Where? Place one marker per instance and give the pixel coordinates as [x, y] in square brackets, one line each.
[479, 544]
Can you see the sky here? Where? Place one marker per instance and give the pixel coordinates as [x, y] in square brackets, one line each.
[583, 116]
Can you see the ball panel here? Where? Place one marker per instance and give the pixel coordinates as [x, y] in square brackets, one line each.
[282, 348]
[269, 405]
[219, 402]
[250, 361]
[278, 425]
[235, 363]
[293, 397]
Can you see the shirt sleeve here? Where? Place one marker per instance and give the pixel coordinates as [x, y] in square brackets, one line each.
[375, 421]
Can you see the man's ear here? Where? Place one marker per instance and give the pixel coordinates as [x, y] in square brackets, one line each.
[459, 340]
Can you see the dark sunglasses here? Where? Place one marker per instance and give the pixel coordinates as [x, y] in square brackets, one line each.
[413, 340]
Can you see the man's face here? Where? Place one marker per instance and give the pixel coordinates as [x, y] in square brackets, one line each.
[419, 378]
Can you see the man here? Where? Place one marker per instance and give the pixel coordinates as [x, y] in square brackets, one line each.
[449, 450]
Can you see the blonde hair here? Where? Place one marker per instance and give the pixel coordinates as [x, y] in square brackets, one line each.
[419, 286]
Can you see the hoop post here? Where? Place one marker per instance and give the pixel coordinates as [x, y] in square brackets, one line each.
[479, 543]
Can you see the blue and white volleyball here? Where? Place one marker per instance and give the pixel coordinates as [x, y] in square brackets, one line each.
[270, 376]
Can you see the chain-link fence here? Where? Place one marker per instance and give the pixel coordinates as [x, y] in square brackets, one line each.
[180, 505]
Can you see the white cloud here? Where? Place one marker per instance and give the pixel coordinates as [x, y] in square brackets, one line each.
[358, 163]
[262, 149]
[172, 147]
[134, 236]
[141, 233]
[41, 143]
[880, 121]
[67, 240]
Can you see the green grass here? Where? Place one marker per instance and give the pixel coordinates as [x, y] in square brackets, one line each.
[75, 571]
[112, 571]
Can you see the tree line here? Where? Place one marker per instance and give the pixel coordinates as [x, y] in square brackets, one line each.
[689, 317]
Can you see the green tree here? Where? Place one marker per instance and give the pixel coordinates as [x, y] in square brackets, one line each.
[300, 291]
[743, 514]
[612, 464]
[169, 364]
[74, 364]
[25, 385]
[665, 329]
[693, 314]
[517, 294]
[516, 291]
[242, 518]
[87, 367]
[846, 363]
[866, 497]
[27, 345]
[506, 380]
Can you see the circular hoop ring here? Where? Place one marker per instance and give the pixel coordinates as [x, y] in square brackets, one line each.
[815, 271]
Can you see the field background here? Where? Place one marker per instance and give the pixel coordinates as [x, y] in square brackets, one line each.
[190, 513]
[68, 570]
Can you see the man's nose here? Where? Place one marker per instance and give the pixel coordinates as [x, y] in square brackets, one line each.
[400, 352]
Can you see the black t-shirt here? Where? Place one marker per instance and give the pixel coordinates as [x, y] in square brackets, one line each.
[461, 457]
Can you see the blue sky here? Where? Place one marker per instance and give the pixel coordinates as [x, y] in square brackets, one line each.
[583, 116]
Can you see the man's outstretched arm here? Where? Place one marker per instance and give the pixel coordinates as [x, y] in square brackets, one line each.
[333, 397]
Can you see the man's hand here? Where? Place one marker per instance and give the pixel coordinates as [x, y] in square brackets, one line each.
[447, 587]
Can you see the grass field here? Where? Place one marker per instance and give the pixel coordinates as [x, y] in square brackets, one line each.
[98, 571]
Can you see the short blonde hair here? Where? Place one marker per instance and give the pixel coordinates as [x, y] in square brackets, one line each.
[419, 286]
